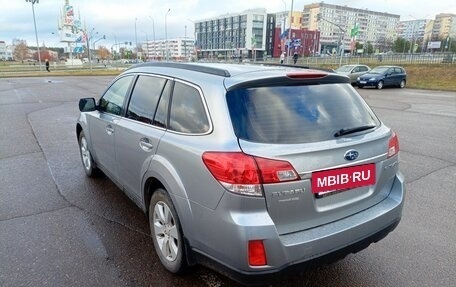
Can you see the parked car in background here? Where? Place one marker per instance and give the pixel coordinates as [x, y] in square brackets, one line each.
[352, 71]
[247, 169]
[383, 76]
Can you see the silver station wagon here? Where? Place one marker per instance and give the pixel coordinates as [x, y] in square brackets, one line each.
[252, 170]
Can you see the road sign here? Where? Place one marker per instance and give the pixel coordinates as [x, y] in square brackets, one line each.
[78, 50]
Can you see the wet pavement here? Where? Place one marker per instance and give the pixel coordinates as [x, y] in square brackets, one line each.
[60, 228]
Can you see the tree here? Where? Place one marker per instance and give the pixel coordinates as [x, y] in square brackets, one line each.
[449, 44]
[369, 48]
[20, 50]
[45, 54]
[401, 45]
[384, 44]
[103, 53]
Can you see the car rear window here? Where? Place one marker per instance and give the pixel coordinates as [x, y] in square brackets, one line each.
[297, 114]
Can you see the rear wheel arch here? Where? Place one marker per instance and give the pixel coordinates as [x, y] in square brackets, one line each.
[151, 185]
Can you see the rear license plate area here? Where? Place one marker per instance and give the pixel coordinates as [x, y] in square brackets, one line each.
[328, 182]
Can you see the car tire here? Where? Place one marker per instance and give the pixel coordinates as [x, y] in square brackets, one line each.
[90, 167]
[380, 85]
[166, 232]
[402, 84]
[360, 87]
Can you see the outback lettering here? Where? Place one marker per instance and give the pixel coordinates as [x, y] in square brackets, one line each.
[288, 192]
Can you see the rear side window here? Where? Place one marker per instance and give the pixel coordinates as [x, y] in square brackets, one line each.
[187, 114]
[297, 114]
[144, 98]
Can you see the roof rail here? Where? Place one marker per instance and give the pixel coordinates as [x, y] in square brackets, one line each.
[297, 66]
[191, 67]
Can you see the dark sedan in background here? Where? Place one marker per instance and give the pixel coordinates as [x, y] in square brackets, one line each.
[383, 76]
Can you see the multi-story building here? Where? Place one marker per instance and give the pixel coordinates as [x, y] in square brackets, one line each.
[176, 49]
[336, 22]
[415, 31]
[2, 50]
[233, 35]
[444, 26]
[303, 41]
[283, 20]
[270, 35]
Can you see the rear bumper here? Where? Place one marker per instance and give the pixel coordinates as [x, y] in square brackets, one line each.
[301, 250]
[270, 276]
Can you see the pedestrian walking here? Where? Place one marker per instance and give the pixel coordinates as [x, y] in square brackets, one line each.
[47, 65]
[295, 58]
[282, 57]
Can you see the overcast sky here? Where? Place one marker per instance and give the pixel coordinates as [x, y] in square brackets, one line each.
[116, 18]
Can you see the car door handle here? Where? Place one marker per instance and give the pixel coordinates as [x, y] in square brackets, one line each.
[146, 145]
[109, 130]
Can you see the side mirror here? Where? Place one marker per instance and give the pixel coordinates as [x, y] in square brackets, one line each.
[87, 105]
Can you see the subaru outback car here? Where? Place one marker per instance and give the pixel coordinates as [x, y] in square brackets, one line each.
[251, 170]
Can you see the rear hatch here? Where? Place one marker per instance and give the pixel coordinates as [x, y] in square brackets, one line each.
[330, 137]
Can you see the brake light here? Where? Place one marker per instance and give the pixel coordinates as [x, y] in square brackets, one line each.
[393, 145]
[306, 75]
[244, 174]
[257, 254]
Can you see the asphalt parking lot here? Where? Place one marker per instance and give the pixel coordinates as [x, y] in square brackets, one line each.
[60, 228]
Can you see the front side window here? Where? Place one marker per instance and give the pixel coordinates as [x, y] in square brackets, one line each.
[144, 98]
[296, 114]
[188, 114]
[112, 101]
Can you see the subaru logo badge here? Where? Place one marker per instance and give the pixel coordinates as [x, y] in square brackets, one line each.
[351, 155]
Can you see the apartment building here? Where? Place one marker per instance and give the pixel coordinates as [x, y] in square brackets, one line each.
[176, 49]
[233, 35]
[2, 50]
[335, 23]
[416, 31]
[283, 20]
[444, 26]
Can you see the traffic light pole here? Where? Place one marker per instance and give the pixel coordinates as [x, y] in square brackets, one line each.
[342, 30]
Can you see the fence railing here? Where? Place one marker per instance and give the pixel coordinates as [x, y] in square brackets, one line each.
[383, 59]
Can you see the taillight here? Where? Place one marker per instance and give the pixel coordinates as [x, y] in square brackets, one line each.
[273, 171]
[393, 145]
[244, 174]
[257, 254]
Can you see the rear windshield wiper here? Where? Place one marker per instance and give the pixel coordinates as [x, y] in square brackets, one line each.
[343, 132]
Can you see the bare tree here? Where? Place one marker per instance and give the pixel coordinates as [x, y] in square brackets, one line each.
[20, 50]
[103, 53]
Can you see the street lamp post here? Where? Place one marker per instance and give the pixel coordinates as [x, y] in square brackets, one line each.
[185, 43]
[341, 38]
[97, 40]
[147, 46]
[36, 33]
[166, 35]
[289, 32]
[89, 38]
[153, 31]
[136, 39]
